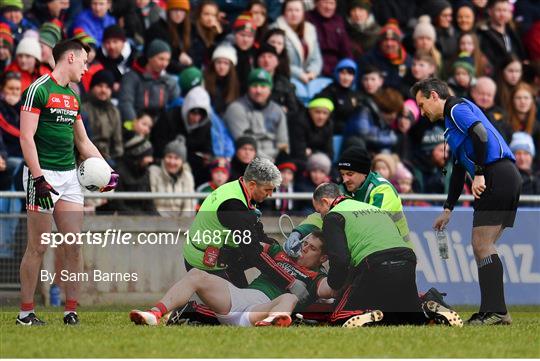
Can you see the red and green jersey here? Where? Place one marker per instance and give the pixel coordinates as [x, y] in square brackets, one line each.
[309, 277]
[58, 108]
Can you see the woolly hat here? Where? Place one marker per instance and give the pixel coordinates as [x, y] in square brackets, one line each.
[411, 105]
[189, 78]
[84, 37]
[244, 22]
[29, 46]
[243, 140]
[267, 48]
[364, 4]
[466, 62]
[220, 164]
[388, 159]
[138, 147]
[345, 64]
[402, 173]
[424, 28]
[157, 46]
[285, 161]
[434, 7]
[321, 103]
[50, 33]
[259, 76]
[355, 158]
[391, 30]
[522, 141]
[102, 76]
[225, 51]
[178, 4]
[177, 146]
[114, 32]
[11, 5]
[6, 36]
[319, 161]
[431, 139]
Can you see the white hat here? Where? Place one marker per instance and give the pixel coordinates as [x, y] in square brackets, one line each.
[522, 141]
[227, 52]
[424, 28]
[29, 46]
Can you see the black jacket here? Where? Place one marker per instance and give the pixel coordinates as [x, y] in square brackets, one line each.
[496, 48]
[346, 102]
[306, 135]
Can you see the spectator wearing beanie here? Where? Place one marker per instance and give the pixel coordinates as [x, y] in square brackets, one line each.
[318, 168]
[287, 167]
[220, 170]
[50, 33]
[221, 79]
[134, 177]
[361, 27]
[244, 30]
[116, 54]
[256, 115]
[6, 45]
[343, 94]
[331, 34]
[283, 91]
[313, 132]
[173, 175]
[246, 151]
[385, 165]
[94, 22]
[45, 11]
[93, 64]
[192, 121]
[425, 37]
[28, 62]
[103, 117]
[147, 87]
[389, 56]
[463, 75]
[175, 30]
[18, 24]
[522, 146]
[303, 50]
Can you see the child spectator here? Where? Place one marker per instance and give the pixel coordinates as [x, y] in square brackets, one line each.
[408, 117]
[173, 175]
[423, 67]
[220, 78]
[175, 30]
[463, 76]
[313, 132]
[141, 126]
[468, 43]
[246, 151]
[28, 62]
[207, 32]
[524, 150]
[103, 117]
[318, 170]
[50, 33]
[384, 164]
[342, 93]
[92, 63]
[361, 26]
[220, 169]
[6, 46]
[509, 75]
[287, 168]
[96, 19]
[372, 80]
[244, 29]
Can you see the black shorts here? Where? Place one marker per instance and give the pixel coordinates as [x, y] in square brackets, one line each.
[499, 202]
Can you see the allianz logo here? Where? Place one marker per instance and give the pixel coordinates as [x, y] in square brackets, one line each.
[518, 260]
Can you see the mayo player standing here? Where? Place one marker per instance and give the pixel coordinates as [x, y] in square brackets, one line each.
[51, 127]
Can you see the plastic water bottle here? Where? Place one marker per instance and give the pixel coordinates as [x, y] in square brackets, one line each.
[54, 294]
[442, 241]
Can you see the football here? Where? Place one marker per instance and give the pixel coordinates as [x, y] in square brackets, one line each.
[94, 173]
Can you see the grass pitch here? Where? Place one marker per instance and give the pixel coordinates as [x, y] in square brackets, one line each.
[107, 332]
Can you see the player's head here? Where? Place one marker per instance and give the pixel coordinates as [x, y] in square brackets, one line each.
[261, 178]
[323, 197]
[313, 252]
[430, 95]
[354, 165]
[72, 56]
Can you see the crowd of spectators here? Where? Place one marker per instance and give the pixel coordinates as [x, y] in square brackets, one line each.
[181, 95]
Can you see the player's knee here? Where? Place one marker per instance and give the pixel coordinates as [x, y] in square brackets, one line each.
[196, 275]
[290, 298]
[36, 250]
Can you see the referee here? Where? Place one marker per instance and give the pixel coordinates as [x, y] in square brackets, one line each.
[481, 151]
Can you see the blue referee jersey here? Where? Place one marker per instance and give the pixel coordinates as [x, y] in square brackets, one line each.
[459, 115]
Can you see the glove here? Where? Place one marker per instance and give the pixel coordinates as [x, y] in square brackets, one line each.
[299, 289]
[43, 193]
[293, 244]
[113, 182]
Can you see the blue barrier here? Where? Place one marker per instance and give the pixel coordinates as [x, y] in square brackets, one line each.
[519, 249]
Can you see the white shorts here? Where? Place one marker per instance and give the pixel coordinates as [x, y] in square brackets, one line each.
[242, 301]
[64, 182]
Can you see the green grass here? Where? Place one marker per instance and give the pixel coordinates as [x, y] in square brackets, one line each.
[107, 332]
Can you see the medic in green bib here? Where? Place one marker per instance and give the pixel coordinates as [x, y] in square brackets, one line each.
[362, 185]
[225, 237]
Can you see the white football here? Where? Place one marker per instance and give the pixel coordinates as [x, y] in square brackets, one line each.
[94, 173]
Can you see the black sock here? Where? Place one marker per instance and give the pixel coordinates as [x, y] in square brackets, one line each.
[490, 276]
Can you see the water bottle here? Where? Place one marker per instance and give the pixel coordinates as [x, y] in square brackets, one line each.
[54, 294]
[442, 242]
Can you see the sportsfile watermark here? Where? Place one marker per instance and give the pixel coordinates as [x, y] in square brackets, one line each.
[111, 237]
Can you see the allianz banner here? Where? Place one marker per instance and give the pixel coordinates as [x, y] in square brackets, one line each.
[519, 249]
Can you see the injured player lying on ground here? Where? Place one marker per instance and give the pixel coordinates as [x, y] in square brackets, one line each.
[262, 303]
